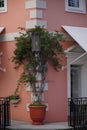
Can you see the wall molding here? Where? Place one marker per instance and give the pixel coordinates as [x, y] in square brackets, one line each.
[36, 13]
[35, 4]
[11, 36]
[29, 88]
[36, 22]
[8, 37]
[36, 8]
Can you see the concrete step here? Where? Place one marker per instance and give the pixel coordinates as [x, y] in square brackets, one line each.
[18, 125]
[39, 129]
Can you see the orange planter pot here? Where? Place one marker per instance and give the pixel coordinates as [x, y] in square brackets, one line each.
[37, 114]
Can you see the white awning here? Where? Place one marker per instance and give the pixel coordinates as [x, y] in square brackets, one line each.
[1, 29]
[1, 69]
[79, 34]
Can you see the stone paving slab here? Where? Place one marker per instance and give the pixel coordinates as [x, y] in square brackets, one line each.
[17, 125]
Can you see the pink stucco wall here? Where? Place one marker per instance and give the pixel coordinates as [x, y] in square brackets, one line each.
[56, 16]
[56, 96]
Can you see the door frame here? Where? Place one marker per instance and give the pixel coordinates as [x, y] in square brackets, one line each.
[71, 57]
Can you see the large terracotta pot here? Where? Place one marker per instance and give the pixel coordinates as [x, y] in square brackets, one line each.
[37, 114]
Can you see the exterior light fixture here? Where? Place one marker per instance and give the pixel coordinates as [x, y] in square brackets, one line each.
[35, 42]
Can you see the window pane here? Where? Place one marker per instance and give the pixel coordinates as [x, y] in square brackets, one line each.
[75, 80]
[1, 3]
[73, 3]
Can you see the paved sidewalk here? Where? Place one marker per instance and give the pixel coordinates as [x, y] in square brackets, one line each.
[17, 125]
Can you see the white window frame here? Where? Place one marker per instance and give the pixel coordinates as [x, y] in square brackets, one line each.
[4, 9]
[80, 9]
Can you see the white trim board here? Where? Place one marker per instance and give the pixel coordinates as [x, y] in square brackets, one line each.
[8, 37]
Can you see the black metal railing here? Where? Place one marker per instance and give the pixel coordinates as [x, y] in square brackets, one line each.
[4, 113]
[77, 116]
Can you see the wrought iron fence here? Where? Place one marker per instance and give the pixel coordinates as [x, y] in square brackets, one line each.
[77, 116]
[4, 113]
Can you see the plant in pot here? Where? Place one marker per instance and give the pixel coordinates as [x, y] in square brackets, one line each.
[14, 99]
[35, 48]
